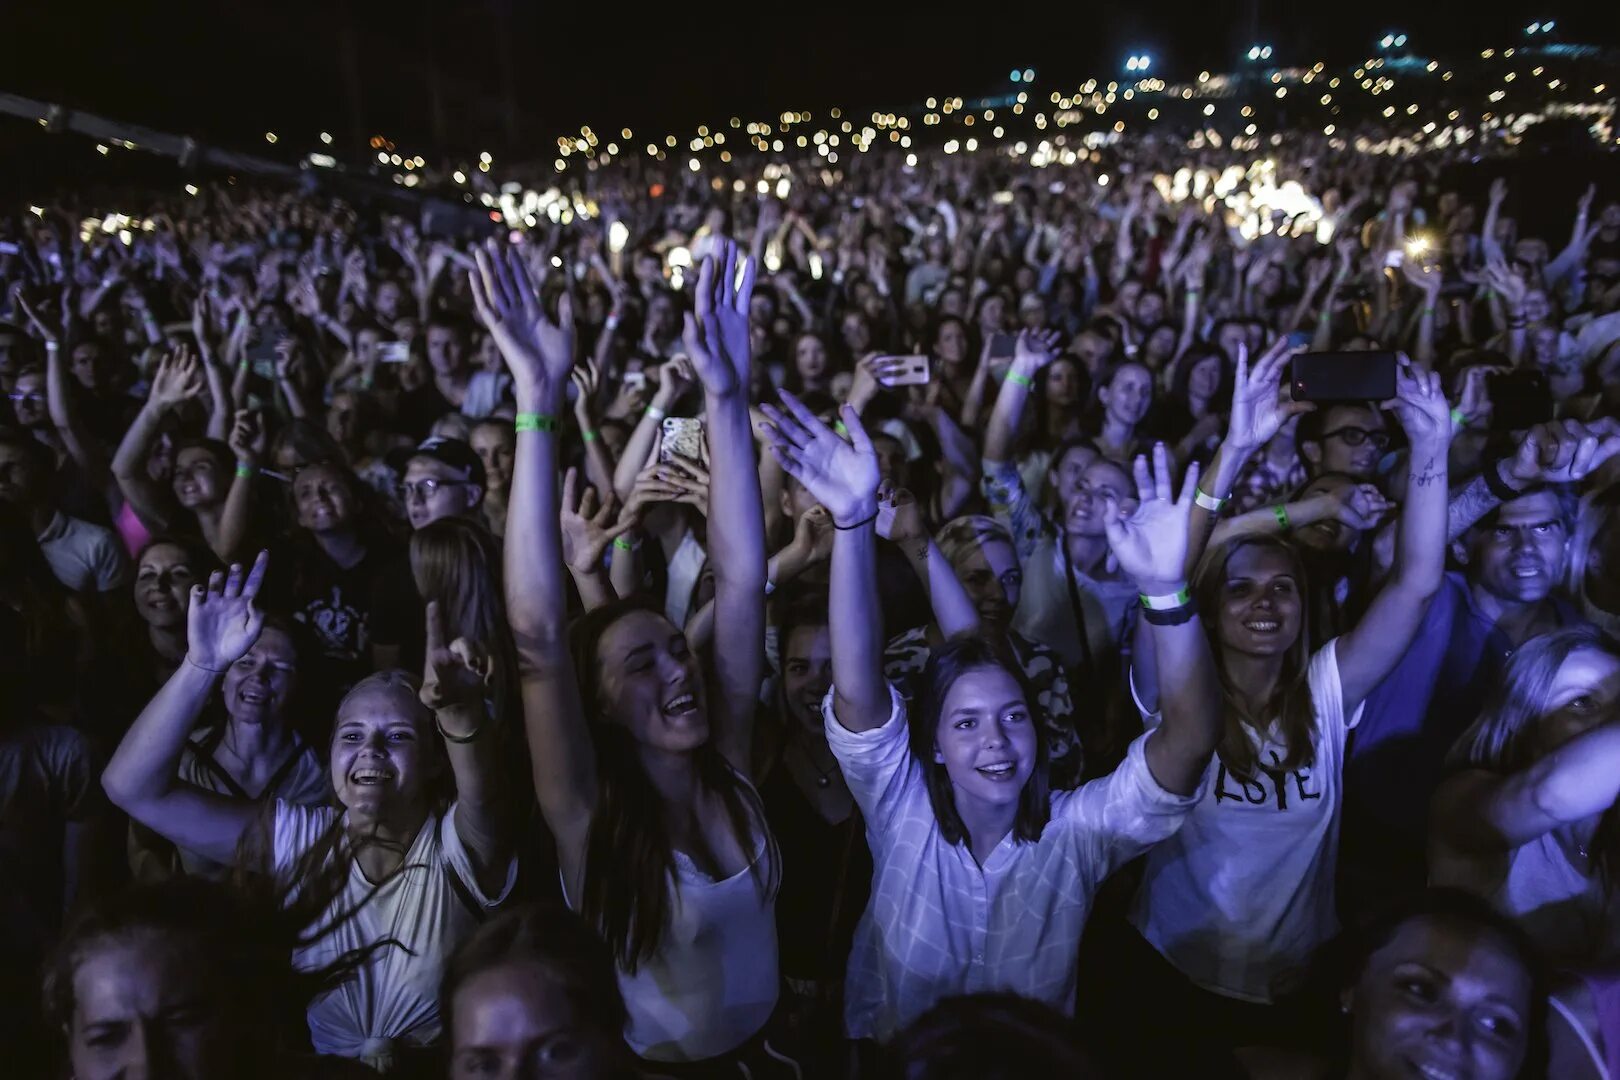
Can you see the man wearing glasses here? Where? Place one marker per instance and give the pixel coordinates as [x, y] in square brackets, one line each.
[1343, 437]
[443, 478]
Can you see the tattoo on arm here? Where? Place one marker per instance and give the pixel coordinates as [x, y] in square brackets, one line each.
[1427, 475]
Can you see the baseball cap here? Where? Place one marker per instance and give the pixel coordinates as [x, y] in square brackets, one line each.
[451, 452]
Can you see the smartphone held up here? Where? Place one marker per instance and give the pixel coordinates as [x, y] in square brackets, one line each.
[1342, 376]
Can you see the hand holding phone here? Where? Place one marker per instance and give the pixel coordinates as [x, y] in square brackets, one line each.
[682, 437]
[892, 371]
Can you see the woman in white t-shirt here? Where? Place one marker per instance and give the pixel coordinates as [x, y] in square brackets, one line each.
[1237, 901]
[983, 878]
[396, 870]
[641, 762]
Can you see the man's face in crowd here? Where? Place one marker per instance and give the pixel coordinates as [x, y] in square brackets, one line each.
[20, 482]
[1085, 506]
[1353, 441]
[434, 490]
[28, 400]
[390, 300]
[1519, 556]
[88, 366]
[446, 349]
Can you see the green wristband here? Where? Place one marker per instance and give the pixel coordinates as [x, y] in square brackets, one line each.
[623, 544]
[1020, 380]
[1180, 598]
[244, 470]
[587, 434]
[1458, 418]
[1282, 516]
[528, 421]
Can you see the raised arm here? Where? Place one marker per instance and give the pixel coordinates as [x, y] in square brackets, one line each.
[1486, 813]
[1370, 650]
[178, 378]
[81, 445]
[900, 521]
[844, 478]
[598, 459]
[1033, 352]
[674, 378]
[220, 406]
[589, 524]
[540, 353]
[1150, 545]
[142, 778]
[717, 337]
[455, 679]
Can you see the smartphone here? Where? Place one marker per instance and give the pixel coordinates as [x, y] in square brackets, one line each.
[1519, 399]
[262, 357]
[1343, 376]
[394, 352]
[683, 437]
[1002, 346]
[1394, 259]
[8, 247]
[912, 371]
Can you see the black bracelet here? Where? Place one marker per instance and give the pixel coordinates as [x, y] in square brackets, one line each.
[1494, 482]
[1175, 616]
[856, 525]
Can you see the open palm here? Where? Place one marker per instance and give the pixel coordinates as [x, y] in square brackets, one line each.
[842, 476]
[536, 349]
[1258, 412]
[1150, 543]
[717, 333]
[223, 622]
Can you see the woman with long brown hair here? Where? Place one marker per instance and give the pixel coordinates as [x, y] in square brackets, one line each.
[641, 758]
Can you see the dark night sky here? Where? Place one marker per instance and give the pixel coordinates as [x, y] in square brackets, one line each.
[229, 70]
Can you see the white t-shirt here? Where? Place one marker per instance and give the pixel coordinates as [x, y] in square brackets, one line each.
[713, 983]
[394, 997]
[938, 923]
[303, 780]
[1240, 898]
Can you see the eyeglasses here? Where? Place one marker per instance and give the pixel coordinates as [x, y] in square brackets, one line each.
[35, 398]
[1354, 436]
[425, 489]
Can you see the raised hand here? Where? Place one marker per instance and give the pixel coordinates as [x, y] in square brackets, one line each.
[718, 330]
[812, 539]
[538, 352]
[1563, 451]
[1420, 405]
[178, 379]
[842, 476]
[223, 622]
[1505, 281]
[248, 438]
[1150, 543]
[1258, 412]
[588, 525]
[1034, 349]
[455, 674]
[49, 334]
[585, 379]
[675, 376]
[690, 478]
[1426, 279]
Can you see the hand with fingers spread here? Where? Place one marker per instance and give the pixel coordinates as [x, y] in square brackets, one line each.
[1150, 543]
[456, 675]
[717, 332]
[1420, 405]
[538, 352]
[1258, 411]
[1562, 452]
[842, 476]
[49, 334]
[585, 380]
[1034, 350]
[178, 379]
[223, 622]
[588, 525]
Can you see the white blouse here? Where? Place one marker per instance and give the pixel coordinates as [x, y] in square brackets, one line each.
[938, 924]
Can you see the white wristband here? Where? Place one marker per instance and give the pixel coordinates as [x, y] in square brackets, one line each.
[1208, 502]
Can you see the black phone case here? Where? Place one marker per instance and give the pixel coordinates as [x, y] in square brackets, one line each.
[1363, 376]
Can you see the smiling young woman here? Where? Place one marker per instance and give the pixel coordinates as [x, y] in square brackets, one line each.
[404, 872]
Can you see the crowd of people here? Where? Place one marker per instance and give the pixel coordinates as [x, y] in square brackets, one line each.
[911, 625]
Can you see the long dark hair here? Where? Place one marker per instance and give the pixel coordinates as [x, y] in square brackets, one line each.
[945, 666]
[1290, 703]
[629, 860]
